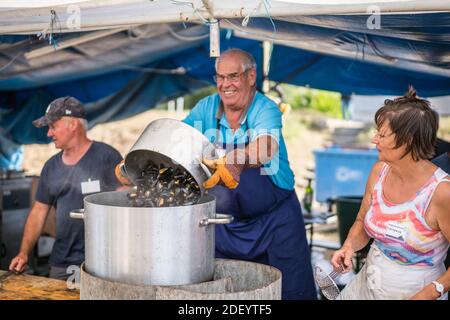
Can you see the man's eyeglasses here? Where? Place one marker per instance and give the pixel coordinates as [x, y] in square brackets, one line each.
[231, 77]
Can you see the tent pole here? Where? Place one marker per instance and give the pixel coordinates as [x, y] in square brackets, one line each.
[214, 39]
[214, 30]
[209, 7]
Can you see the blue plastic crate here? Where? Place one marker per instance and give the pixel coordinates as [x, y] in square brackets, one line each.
[342, 172]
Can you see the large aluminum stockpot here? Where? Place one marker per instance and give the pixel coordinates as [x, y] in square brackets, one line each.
[172, 143]
[153, 246]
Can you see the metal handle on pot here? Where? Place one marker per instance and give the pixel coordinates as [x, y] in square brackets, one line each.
[219, 219]
[77, 214]
[204, 167]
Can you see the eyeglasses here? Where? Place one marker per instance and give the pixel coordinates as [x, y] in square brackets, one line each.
[231, 77]
[378, 134]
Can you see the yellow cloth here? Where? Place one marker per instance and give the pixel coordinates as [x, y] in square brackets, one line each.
[284, 107]
[122, 179]
[221, 174]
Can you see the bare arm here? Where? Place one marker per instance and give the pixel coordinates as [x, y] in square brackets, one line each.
[262, 150]
[33, 229]
[357, 237]
[439, 208]
[255, 154]
[229, 168]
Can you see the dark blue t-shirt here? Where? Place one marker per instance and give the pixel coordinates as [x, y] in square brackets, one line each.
[443, 162]
[64, 187]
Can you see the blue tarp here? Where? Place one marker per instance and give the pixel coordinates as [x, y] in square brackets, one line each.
[349, 76]
[117, 95]
[337, 53]
[340, 53]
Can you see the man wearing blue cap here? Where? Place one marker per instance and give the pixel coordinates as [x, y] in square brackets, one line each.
[82, 167]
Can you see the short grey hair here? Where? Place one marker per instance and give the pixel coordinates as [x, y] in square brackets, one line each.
[247, 60]
[83, 122]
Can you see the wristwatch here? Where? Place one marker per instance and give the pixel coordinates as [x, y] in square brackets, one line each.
[439, 287]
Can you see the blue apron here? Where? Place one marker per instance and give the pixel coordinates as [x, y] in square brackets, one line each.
[268, 228]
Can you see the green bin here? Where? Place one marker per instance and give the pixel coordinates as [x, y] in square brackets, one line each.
[347, 208]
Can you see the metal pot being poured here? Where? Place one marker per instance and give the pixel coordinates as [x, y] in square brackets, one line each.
[169, 143]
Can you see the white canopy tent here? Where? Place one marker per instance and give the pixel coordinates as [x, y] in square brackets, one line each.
[363, 108]
[319, 26]
[26, 17]
[47, 17]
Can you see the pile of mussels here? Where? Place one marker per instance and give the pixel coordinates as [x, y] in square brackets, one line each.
[161, 186]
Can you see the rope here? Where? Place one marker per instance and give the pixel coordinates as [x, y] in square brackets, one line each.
[179, 70]
[184, 38]
[55, 23]
[10, 62]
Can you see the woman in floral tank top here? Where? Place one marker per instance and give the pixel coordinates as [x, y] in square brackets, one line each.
[405, 210]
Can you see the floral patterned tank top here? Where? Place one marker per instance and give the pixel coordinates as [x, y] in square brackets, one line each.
[400, 230]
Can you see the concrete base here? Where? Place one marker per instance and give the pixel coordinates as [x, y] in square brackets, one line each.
[233, 279]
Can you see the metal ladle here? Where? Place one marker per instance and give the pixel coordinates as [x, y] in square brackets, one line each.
[326, 282]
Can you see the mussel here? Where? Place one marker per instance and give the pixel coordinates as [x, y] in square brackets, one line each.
[161, 186]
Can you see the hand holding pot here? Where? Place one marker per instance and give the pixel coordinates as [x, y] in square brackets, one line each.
[121, 174]
[226, 172]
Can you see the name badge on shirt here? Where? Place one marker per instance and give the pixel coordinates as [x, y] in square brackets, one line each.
[90, 186]
[395, 230]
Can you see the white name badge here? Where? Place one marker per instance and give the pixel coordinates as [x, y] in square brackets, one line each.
[395, 231]
[90, 186]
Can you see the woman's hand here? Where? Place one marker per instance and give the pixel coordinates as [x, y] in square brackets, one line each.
[342, 259]
[427, 293]
[357, 238]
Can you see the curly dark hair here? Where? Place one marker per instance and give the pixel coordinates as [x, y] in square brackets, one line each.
[414, 123]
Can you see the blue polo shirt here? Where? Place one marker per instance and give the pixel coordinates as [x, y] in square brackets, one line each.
[262, 117]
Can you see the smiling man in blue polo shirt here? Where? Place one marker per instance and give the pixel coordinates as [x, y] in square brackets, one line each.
[252, 179]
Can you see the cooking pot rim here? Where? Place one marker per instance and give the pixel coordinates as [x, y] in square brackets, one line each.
[205, 199]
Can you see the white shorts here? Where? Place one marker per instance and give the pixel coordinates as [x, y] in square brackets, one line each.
[383, 279]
